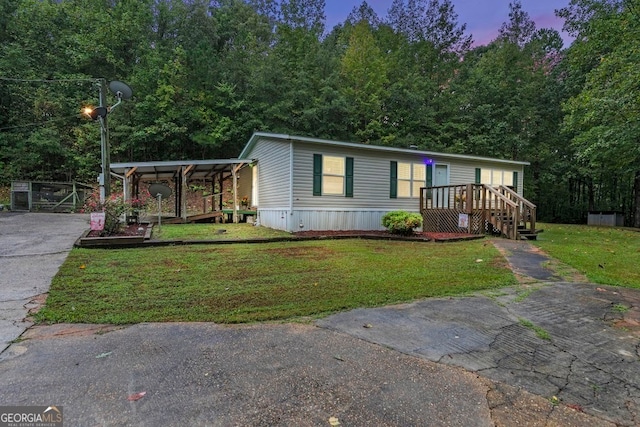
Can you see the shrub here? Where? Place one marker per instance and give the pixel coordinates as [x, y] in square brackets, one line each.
[401, 222]
[115, 208]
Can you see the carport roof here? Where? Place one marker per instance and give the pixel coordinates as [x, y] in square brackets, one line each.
[197, 169]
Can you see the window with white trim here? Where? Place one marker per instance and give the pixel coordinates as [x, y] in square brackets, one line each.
[496, 177]
[411, 177]
[333, 175]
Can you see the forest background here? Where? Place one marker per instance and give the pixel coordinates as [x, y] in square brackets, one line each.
[207, 74]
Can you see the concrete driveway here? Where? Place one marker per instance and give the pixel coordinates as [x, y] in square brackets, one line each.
[545, 353]
[567, 340]
[32, 248]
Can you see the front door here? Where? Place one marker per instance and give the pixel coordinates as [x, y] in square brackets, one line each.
[440, 178]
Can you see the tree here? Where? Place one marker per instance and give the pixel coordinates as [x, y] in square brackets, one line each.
[364, 72]
[520, 28]
[306, 14]
[364, 12]
[434, 21]
[602, 116]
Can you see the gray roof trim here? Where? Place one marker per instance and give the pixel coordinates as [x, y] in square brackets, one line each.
[256, 136]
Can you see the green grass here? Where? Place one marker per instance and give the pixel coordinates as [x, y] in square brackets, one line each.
[619, 308]
[259, 282]
[541, 333]
[214, 232]
[606, 255]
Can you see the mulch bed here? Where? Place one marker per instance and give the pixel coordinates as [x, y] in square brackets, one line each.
[128, 230]
[438, 237]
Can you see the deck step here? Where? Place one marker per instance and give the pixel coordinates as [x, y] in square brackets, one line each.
[528, 234]
[528, 237]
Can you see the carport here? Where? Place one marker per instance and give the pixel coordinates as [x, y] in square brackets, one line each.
[180, 173]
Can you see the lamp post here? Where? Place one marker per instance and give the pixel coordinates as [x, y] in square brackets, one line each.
[121, 91]
[105, 176]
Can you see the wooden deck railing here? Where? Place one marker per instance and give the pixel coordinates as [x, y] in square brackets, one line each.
[502, 213]
[476, 208]
[527, 209]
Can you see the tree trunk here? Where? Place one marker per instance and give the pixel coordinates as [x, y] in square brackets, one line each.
[636, 199]
[592, 200]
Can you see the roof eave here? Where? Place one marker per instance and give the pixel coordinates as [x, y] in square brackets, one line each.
[256, 136]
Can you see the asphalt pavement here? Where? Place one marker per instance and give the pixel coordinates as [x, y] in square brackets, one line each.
[543, 353]
[32, 248]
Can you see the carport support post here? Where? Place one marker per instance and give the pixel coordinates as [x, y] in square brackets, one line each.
[126, 195]
[184, 189]
[234, 173]
[159, 197]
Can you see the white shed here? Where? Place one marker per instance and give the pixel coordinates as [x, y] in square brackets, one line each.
[301, 183]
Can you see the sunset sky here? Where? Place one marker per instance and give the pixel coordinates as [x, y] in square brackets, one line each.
[483, 17]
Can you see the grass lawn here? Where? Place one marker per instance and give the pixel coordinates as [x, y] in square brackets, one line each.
[267, 281]
[214, 232]
[606, 255]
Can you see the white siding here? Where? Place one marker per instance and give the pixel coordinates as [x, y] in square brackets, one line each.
[305, 220]
[273, 173]
[313, 219]
[277, 219]
[371, 182]
[286, 199]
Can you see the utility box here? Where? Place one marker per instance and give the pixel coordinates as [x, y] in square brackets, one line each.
[606, 218]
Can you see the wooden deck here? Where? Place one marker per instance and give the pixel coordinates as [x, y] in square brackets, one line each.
[204, 217]
[477, 209]
[225, 215]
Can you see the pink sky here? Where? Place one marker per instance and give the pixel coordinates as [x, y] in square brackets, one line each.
[483, 17]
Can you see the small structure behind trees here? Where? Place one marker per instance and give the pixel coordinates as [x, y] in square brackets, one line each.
[41, 196]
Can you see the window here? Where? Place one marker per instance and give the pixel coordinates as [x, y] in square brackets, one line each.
[332, 176]
[497, 177]
[407, 179]
[419, 178]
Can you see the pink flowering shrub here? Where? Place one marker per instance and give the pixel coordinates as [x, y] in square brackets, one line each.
[115, 208]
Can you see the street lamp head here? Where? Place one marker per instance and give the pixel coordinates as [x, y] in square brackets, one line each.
[96, 112]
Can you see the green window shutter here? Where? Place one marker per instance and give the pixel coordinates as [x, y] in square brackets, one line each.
[393, 187]
[429, 180]
[515, 182]
[317, 174]
[348, 181]
[478, 175]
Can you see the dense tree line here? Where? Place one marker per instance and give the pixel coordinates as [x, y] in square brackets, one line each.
[207, 74]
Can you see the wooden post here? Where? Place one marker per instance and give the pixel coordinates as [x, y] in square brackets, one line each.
[185, 189]
[234, 174]
[176, 187]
